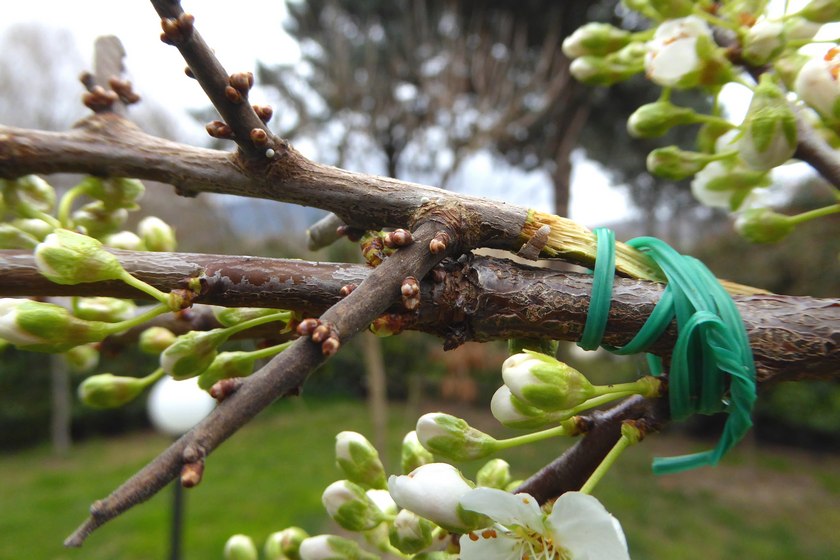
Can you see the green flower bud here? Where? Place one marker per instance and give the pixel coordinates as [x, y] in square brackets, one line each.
[722, 185]
[97, 220]
[452, 438]
[606, 71]
[494, 474]
[28, 195]
[12, 237]
[769, 128]
[230, 316]
[156, 234]
[284, 544]
[66, 257]
[155, 340]
[227, 365]
[349, 505]
[110, 391]
[670, 9]
[709, 133]
[37, 228]
[762, 225]
[114, 193]
[821, 11]
[410, 533]
[596, 39]
[413, 454]
[192, 353]
[240, 547]
[655, 119]
[800, 29]
[515, 413]
[125, 240]
[359, 461]
[45, 327]
[82, 359]
[545, 382]
[763, 42]
[107, 309]
[787, 68]
[330, 547]
[673, 163]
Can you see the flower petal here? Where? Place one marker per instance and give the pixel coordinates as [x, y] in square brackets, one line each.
[503, 507]
[490, 546]
[581, 525]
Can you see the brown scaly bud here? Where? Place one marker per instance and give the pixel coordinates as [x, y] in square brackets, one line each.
[191, 474]
[124, 90]
[331, 345]
[242, 81]
[218, 129]
[347, 289]
[224, 388]
[259, 137]
[264, 112]
[185, 23]
[439, 243]
[233, 95]
[188, 71]
[410, 287]
[98, 99]
[353, 234]
[398, 238]
[438, 275]
[306, 326]
[321, 333]
[177, 30]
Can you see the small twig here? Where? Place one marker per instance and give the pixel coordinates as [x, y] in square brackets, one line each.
[283, 375]
[324, 232]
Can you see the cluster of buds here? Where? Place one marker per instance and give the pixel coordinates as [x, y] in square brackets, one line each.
[46, 327]
[177, 30]
[410, 291]
[320, 333]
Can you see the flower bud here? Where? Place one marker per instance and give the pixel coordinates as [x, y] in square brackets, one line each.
[724, 185]
[156, 234]
[37, 228]
[359, 461]
[155, 340]
[709, 134]
[788, 67]
[12, 237]
[45, 327]
[27, 195]
[97, 221]
[410, 533]
[613, 68]
[349, 505]
[227, 365]
[545, 382]
[452, 438]
[596, 39]
[673, 163]
[284, 544]
[240, 547]
[82, 358]
[107, 309]
[125, 240]
[230, 316]
[109, 391]
[494, 474]
[192, 353]
[818, 84]
[433, 491]
[763, 42]
[655, 119]
[769, 128]
[514, 413]
[413, 454]
[66, 257]
[330, 547]
[821, 11]
[762, 225]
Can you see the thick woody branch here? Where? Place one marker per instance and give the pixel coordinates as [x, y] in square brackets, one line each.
[283, 375]
[814, 150]
[476, 298]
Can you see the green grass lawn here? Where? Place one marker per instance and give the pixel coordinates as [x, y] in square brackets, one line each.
[760, 504]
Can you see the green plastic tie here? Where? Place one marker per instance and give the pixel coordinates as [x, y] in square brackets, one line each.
[711, 345]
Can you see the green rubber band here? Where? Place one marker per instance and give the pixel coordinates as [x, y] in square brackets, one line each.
[712, 368]
[602, 284]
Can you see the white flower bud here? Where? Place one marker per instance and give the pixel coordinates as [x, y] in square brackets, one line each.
[284, 544]
[726, 185]
[413, 454]
[82, 358]
[763, 42]
[155, 340]
[452, 438]
[762, 225]
[595, 38]
[433, 491]
[655, 119]
[227, 365]
[156, 234]
[27, 195]
[821, 11]
[240, 547]
[818, 84]
[330, 547]
[108, 309]
[494, 474]
[359, 461]
[66, 257]
[12, 237]
[98, 221]
[410, 533]
[45, 327]
[513, 413]
[544, 382]
[769, 129]
[39, 229]
[125, 240]
[107, 390]
[349, 505]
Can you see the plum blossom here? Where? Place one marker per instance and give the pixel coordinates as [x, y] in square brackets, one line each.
[672, 58]
[818, 84]
[578, 528]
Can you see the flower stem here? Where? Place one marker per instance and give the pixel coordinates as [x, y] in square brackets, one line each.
[113, 328]
[596, 476]
[152, 377]
[269, 351]
[245, 325]
[145, 288]
[812, 214]
[66, 205]
[716, 21]
[556, 431]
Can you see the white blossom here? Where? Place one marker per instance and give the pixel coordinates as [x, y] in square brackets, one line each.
[672, 56]
[818, 84]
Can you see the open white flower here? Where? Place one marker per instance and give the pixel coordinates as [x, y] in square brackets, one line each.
[818, 84]
[578, 528]
[673, 58]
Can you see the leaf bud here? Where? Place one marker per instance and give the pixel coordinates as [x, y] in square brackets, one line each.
[494, 474]
[240, 547]
[762, 225]
[545, 382]
[413, 454]
[109, 391]
[359, 461]
[157, 235]
[66, 257]
[452, 438]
